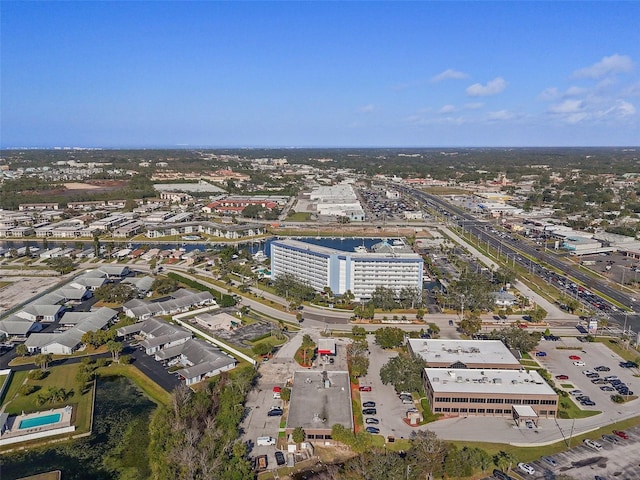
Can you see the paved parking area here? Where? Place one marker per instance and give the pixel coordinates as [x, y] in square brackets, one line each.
[557, 362]
[276, 372]
[619, 461]
[390, 409]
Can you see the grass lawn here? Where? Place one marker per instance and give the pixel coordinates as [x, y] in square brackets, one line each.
[16, 382]
[4, 284]
[617, 348]
[528, 454]
[567, 385]
[63, 376]
[568, 409]
[149, 387]
[398, 444]
[299, 217]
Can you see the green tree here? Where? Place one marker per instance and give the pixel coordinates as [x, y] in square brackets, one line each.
[164, 286]
[298, 435]
[262, 348]
[427, 453]
[383, 298]
[285, 394]
[115, 292]
[22, 350]
[470, 324]
[308, 347]
[538, 314]
[43, 360]
[115, 348]
[404, 372]
[61, 265]
[389, 337]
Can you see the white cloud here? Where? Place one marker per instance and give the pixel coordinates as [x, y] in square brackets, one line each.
[593, 109]
[501, 115]
[575, 91]
[550, 93]
[493, 87]
[567, 107]
[473, 105]
[447, 109]
[367, 108]
[607, 66]
[621, 109]
[449, 74]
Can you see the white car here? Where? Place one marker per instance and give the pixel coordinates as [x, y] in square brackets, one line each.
[579, 363]
[592, 443]
[526, 468]
[575, 393]
[588, 372]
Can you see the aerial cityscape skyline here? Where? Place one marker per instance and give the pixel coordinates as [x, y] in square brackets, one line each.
[145, 74]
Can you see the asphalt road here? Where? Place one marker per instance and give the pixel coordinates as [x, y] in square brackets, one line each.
[477, 228]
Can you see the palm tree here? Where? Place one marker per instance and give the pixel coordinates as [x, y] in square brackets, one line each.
[43, 360]
[115, 348]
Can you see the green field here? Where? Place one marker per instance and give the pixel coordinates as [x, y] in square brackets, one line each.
[62, 377]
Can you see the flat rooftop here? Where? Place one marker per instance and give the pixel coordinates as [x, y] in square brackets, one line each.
[401, 251]
[501, 382]
[315, 405]
[490, 352]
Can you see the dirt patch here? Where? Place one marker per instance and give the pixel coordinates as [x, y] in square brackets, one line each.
[80, 186]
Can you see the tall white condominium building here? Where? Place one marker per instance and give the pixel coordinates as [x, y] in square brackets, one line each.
[391, 265]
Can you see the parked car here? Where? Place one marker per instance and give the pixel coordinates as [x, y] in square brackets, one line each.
[622, 434]
[610, 438]
[575, 392]
[365, 388]
[369, 404]
[602, 368]
[607, 388]
[592, 444]
[541, 354]
[579, 363]
[369, 411]
[550, 461]
[574, 357]
[608, 378]
[526, 468]
[275, 412]
[562, 377]
[373, 429]
[500, 475]
[280, 458]
[371, 421]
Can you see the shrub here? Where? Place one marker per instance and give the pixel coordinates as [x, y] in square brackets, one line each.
[27, 389]
[37, 374]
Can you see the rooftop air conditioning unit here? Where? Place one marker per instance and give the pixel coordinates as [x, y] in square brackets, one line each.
[459, 379]
[514, 381]
[497, 380]
[435, 380]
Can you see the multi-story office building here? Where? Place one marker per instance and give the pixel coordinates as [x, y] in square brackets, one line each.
[505, 393]
[392, 266]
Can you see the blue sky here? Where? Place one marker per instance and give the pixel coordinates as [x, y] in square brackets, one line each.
[145, 74]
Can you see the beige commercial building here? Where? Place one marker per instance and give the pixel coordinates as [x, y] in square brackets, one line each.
[507, 393]
[485, 354]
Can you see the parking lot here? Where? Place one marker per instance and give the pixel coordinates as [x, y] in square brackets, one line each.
[619, 460]
[557, 362]
[276, 372]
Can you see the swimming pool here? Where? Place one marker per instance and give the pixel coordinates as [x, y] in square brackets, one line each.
[40, 421]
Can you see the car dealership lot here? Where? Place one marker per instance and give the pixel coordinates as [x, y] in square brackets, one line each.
[595, 354]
